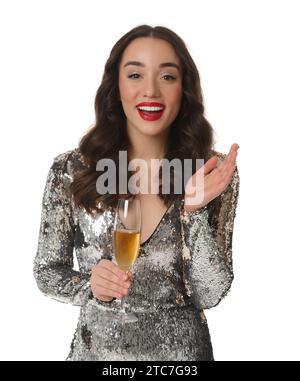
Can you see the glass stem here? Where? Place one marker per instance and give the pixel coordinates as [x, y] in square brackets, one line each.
[123, 305]
[123, 302]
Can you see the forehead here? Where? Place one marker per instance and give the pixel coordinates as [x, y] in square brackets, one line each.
[151, 51]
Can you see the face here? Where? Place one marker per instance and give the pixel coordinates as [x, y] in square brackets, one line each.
[148, 81]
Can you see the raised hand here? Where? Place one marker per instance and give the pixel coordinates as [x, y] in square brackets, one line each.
[215, 180]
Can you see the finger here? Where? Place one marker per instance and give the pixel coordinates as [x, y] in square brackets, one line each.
[227, 172]
[234, 153]
[230, 157]
[115, 269]
[111, 277]
[228, 177]
[232, 164]
[220, 174]
[233, 148]
[105, 285]
[229, 167]
[210, 164]
[107, 293]
[103, 298]
[129, 276]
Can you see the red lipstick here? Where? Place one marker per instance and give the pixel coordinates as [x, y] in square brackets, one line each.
[150, 111]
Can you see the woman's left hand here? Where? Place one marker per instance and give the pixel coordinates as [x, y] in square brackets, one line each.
[215, 181]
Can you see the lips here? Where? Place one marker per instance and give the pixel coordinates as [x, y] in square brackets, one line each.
[153, 104]
[150, 115]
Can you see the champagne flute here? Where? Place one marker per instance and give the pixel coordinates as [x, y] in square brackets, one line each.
[127, 232]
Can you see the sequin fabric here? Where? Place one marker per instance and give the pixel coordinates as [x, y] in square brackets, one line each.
[182, 269]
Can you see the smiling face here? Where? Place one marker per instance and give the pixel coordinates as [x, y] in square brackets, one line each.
[150, 71]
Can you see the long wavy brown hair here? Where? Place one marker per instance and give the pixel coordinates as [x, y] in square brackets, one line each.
[190, 136]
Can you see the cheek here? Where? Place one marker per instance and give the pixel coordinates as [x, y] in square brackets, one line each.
[174, 92]
[127, 92]
[175, 96]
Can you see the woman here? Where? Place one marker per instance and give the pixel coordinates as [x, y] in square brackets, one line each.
[184, 265]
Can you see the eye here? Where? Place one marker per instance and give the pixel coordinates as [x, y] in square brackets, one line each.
[170, 76]
[130, 76]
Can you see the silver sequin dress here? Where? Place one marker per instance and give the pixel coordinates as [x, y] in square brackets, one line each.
[182, 269]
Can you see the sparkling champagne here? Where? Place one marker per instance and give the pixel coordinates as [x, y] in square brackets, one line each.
[127, 243]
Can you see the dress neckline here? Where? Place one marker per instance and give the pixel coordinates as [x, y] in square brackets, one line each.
[156, 228]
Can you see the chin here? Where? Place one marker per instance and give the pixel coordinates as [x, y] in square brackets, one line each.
[152, 131]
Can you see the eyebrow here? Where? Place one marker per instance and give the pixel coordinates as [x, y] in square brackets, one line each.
[164, 64]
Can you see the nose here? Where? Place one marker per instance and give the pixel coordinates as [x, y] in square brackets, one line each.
[151, 89]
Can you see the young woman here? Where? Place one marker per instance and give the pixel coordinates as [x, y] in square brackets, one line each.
[185, 260]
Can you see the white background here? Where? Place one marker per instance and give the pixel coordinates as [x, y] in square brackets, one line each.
[247, 52]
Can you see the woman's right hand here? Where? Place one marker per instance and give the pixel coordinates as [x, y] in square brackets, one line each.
[109, 281]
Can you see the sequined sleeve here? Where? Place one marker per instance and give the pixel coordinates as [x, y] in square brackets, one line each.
[53, 264]
[207, 250]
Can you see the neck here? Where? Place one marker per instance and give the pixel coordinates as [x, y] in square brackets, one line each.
[147, 147]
